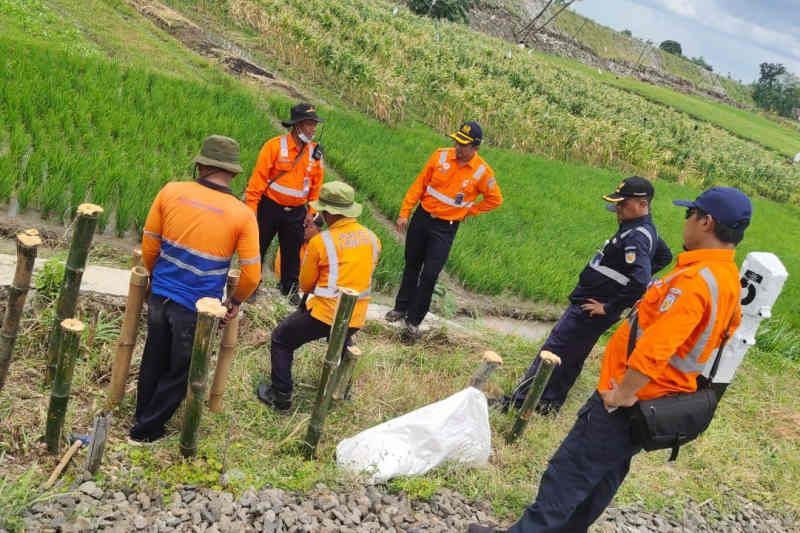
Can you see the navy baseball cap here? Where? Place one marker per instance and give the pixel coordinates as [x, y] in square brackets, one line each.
[468, 133]
[728, 205]
[632, 187]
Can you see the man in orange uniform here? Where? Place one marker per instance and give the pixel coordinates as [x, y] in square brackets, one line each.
[682, 320]
[288, 174]
[446, 190]
[344, 255]
[190, 236]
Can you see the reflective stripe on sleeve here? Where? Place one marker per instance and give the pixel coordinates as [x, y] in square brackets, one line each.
[689, 362]
[152, 234]
[284, 147]
[251, 261]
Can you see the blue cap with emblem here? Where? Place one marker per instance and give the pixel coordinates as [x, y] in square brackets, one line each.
[468, 133]
[728, 205]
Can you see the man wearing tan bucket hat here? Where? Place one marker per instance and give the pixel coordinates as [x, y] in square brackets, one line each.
[343, 255]
[191, 233]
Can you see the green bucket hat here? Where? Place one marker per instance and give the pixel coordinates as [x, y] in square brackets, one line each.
[220, 152]
[337, 198]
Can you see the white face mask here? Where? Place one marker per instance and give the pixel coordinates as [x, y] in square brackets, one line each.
[303, 137]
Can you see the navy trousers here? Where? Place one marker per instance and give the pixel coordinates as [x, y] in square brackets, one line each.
[294, 331]
[287, 223]
[428, 244]
[584, 474]
[164, 370]
[572, 339]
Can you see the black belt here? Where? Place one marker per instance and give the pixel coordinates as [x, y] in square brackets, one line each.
[451, 222]
[287, 208]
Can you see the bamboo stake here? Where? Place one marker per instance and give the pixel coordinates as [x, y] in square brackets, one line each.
[209, 312]
[67, 353]
[341, 322]
[549, 360]
[136, 258]
[491, 361]
[226, 350]
[27, 245]
[343, 378]
[85, 225]
[127, 336]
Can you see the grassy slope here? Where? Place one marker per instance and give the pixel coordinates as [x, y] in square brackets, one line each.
[744, 124]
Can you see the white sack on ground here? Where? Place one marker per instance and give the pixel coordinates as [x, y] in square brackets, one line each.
[454, 429]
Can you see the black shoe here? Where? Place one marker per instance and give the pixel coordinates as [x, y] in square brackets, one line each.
[280, 401]
[137, 438]
[546, 408]
[294, 299]
[411, 334]
[394, 315]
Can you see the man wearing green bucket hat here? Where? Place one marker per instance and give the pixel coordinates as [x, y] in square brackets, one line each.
[344, 255]
[191, 233]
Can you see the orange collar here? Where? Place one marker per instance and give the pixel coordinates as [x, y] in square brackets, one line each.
[342, 222]
[706, 254]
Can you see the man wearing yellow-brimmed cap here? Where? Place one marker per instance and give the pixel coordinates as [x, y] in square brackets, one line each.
[344, 255]
[446, 191]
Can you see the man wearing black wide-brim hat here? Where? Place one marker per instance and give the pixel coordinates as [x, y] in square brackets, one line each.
[287, 176]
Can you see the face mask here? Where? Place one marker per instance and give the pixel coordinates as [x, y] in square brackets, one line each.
[303, 137]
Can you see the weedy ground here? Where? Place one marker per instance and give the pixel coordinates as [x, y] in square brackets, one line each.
[751, 447]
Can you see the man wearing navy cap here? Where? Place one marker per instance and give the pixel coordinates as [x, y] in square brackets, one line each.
[447, 190]
[661, 349]
[612, 281]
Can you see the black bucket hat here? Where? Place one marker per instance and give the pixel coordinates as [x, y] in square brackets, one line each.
[302, 112]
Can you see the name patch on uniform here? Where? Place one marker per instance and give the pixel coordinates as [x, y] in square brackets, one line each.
[668, 301]
[630, 255]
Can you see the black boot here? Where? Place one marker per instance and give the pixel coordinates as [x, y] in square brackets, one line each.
[280, 401]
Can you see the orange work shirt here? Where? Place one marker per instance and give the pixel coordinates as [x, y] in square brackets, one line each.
[345, 255]
[277, 266]
[190, 235]
[448, 190]
[300, 182]
[681, 321]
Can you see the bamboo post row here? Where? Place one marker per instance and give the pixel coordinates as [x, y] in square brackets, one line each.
[28, 242]
[127, 336]
[209, 312]
[549, 360]
[344, 374]
[226, 350]
[66, 354]
[85, 224]
[490, 362]
[341, 323]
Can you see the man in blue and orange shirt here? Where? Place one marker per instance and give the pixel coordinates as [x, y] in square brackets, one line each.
[190, 236]
[681, 322]
[446, 190]
[287, 176]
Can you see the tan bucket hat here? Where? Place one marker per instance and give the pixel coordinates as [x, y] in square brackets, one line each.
[220, 152]
[337, 198]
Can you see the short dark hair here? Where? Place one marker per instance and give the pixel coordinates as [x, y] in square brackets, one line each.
[723, 232]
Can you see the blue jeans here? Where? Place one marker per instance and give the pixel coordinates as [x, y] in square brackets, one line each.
[584, 474]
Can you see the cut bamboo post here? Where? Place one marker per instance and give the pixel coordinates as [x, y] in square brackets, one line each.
[136, 258]
[343, 378]
[489, 363]
[66, 354]
[28, 242]
[341, 323]
[102, 422]
[209, 312]
[549, 360]
[227, 348]
[127, 336]
[85, 224]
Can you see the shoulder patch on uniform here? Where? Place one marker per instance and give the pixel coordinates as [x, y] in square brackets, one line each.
[676, 291]
[668, 301]
[630, 255]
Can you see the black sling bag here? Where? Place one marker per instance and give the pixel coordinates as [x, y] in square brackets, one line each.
[673, 420]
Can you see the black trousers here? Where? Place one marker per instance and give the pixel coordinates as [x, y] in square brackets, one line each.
[164, 370]
[428, 243]
[287, 223]
[572, 339]
[584, 473]
[296, 330]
